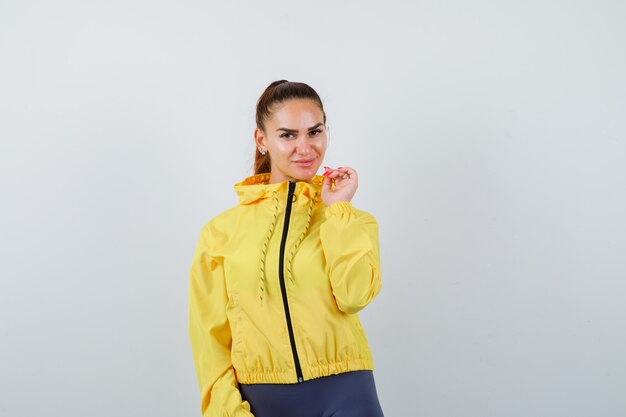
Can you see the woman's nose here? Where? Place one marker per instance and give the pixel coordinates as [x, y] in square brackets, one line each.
[303, 146]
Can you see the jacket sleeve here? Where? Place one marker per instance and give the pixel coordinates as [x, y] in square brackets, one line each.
[349, 239]
[210, 334]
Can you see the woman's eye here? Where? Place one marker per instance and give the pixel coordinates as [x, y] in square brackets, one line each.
[316, 131]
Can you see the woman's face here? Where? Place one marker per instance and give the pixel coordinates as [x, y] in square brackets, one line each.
[295, 137]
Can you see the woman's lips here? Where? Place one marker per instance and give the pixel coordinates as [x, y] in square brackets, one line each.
[305, 163]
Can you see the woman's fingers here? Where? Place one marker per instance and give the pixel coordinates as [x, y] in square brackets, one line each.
[331, 172]
[345, 170]
[336, 174]
[345, 180]
[341, 173]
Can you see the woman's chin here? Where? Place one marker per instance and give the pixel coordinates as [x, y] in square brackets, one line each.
[310, 171]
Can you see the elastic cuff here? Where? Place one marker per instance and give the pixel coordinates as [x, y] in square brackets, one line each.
[339, 207]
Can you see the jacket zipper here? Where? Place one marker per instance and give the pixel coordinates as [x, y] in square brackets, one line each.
[281, 274]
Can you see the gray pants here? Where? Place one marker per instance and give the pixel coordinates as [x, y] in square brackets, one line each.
[349, 394]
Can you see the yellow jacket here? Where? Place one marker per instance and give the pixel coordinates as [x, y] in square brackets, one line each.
[276, 283]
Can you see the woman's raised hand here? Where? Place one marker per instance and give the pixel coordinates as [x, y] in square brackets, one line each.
[346, 183]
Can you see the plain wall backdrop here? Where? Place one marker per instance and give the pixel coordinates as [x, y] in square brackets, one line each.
[490, 141]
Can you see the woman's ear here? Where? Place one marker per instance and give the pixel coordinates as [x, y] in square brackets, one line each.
[259, 139]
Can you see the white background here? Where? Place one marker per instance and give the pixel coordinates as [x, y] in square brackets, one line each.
[490, 141]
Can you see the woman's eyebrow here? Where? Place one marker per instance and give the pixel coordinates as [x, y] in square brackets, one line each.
[295, 130]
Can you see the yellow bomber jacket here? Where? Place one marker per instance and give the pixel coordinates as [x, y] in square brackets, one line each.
[276, 284]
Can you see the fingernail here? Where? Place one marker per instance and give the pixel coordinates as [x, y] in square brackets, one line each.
[327, 168]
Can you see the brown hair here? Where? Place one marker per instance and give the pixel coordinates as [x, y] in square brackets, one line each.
[277, 93]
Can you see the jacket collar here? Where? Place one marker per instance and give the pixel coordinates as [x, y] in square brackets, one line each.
[255, 188]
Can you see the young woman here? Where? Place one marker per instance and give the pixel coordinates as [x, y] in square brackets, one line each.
[277, 281]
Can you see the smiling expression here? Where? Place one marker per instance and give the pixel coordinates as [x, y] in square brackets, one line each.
[296, 138]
